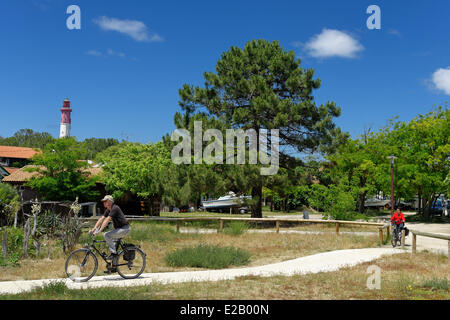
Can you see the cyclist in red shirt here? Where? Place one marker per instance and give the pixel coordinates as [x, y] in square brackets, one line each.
[398, 219]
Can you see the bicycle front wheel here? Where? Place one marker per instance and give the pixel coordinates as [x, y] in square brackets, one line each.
[394, 239]
[133, 268]
[81, 265]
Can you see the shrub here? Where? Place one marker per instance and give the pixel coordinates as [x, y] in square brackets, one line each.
[205, 256]
[235, 228]
[152, 232]
[340, 205]
[15, 243]
[317, 197]
[437, 284]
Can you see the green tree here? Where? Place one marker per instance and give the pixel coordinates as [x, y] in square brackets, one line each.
[423, 150]
[61, 175]
[93, 146]
[28, 138]
[354, 166]
[9, 203]
[264, 87]
[145, 170]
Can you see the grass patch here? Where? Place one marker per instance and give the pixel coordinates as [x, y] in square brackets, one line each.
[206, 256]
[436, 284]
[235, 228]
[57, 290]
[152, 232]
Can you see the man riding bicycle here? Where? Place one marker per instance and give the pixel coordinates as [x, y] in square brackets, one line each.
[398, 220]
[120, 223]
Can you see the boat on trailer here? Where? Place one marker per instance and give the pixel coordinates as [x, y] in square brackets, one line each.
[226, 202]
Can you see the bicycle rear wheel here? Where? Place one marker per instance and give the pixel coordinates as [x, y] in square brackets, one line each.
[81, 265]
[133, 268]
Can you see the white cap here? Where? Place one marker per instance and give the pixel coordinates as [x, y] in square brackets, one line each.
[108, 197]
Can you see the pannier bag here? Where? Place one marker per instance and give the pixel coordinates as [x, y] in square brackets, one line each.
[129, 252]
[406, 231]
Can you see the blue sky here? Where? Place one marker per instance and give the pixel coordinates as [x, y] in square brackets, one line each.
[123, 69]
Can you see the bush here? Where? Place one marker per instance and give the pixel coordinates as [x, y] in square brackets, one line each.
[152, 232]
[340, 205]
[15, 243]
[211, 257]
[437, 284]
[9, 203]
[318, 196]
[235, 228]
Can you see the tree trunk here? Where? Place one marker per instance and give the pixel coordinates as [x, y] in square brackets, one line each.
[26, 237]
[37, 245]
[257, 197]
[427, 207]
[155, 206]
[419, 200]
[362, 201]
[15, 219]
[48, 247]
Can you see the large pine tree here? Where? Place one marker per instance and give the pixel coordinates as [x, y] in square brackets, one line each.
[263, 87]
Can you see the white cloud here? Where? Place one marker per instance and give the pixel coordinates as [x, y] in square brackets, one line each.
[441, 80]
[333, 43]
[394, 32]
[133, 28]
[109, 52]
[94, 53]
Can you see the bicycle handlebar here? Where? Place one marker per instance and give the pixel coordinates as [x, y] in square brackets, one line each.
[90, 231]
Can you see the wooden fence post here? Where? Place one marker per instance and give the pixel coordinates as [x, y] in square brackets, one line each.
[278, 226]
[380, 233]
[178, 226]
[414, 243]
[220, 226]
[403, 239]
[337, 228]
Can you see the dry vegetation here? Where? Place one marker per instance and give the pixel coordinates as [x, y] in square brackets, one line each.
[157, 240]
[403, 277]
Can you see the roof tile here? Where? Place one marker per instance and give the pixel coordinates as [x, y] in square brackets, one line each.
[17, 152]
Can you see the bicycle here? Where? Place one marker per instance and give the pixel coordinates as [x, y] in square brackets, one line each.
[82, 264]
[396, 235]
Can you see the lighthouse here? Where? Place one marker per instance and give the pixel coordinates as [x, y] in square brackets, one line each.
[64, 129]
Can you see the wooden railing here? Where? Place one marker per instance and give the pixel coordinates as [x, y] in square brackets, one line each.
[430, 235]
[277, 221]
[221, 220]
[386, 226]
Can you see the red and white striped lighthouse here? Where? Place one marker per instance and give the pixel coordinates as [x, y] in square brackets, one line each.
[64, 130]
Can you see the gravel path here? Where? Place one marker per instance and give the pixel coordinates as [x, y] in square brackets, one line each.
[322, 262]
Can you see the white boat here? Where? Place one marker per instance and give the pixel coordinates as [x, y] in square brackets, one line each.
[224, 202]
[377, 203]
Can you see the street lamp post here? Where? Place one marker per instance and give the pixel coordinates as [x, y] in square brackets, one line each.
[392, 182]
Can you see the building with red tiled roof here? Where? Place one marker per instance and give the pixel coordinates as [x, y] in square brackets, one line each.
[19, 177]
[16, 156]
[11, 170]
